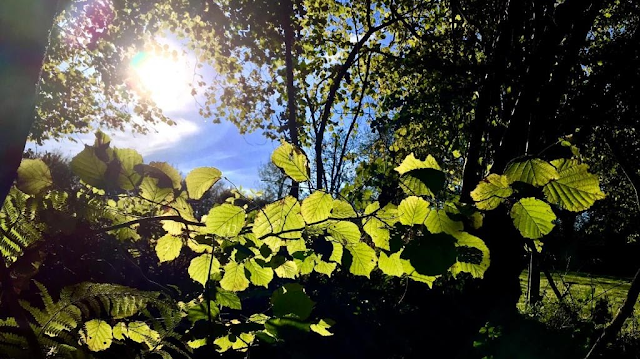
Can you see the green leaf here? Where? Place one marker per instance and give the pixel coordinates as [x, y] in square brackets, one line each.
[150, 190]
[168, 248]
[342, 210]
[291, 301]
[532, 217]
[364, 259]
[321, 328]
[438, 221]
[491, 191]
[473, 262]
[200, 180]
[201, 312]
[325, 268]
[288, 269]
[33, 176]
[317, 207]
[199, 268]
[344, 231]
[97, 335]
[391, 265]
[140, 332]
[575, 189]
[376, 228]
[420, 178]
[281, 218]
[259, 275]
[89, 167]
[120, 331]
[234, 278]
[336, 252]
[533, 171]
[225, 220]
[413, 210]
[292, 161]
[128, 177]
[431, 254]
[169, 171]
[228, 299]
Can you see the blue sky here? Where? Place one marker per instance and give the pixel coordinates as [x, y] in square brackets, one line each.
[194, 141]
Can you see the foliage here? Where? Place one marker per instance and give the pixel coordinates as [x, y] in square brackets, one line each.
[238, 248]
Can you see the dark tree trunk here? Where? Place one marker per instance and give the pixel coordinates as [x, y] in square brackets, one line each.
[24, 30]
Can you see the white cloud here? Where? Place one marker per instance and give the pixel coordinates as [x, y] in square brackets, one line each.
[161, 137]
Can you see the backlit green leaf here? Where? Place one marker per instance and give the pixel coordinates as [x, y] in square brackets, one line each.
[89, 167]
[364, 259]
[199, 268]
[344, 231]
[438, 221]
[376, 228]
[317, 207]
[475, 261]
[575, 189]
[259, 275]
[234, 278]
[288, 269]
[97, 335]
[168, 248]
[281, 218]
[200, 180]
[33, 176]
[128, 177]
[413, 210]
[491, 191]
[532, 217]
[225, 220]
[292, 161]
[391, 265]
[533, 171]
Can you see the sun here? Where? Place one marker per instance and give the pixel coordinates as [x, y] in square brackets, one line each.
[164, 79]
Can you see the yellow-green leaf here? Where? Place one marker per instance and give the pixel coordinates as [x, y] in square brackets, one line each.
[344, 231]
[33, 176]
[374, 227]
[364, 259]
[575, 189]
[438, 221]
[225, 220]
[128, 178]
[413, 210]
[150, 190]
[199, 268]
[317, 207]
[234, 278]
[172, 173]
[533, 171]
[532, 217]
[292, 161]
[342, 209]
[491, 191]
[140, 332]
[321, 328]
[259, 275]
[288, 269]
[89, 167]
[473, 255]
[97, 335]
[168, 248]
[200, 180]
[281, 218]
[391, 265]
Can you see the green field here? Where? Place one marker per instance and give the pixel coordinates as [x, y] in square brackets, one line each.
[582, 291]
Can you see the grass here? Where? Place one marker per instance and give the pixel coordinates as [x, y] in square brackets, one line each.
[583, 291]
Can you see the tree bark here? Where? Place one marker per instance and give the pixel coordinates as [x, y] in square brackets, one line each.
[25, 26]
[292, 122]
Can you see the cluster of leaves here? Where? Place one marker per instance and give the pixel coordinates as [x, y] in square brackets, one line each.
[564, 182]
[235, 248]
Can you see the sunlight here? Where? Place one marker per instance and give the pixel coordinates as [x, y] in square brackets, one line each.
[164, 79]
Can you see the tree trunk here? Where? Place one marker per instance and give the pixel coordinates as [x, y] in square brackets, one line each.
[24, 26]
[533, 280]
[292, 122]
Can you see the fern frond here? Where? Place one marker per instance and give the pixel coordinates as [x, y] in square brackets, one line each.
[19, 225]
